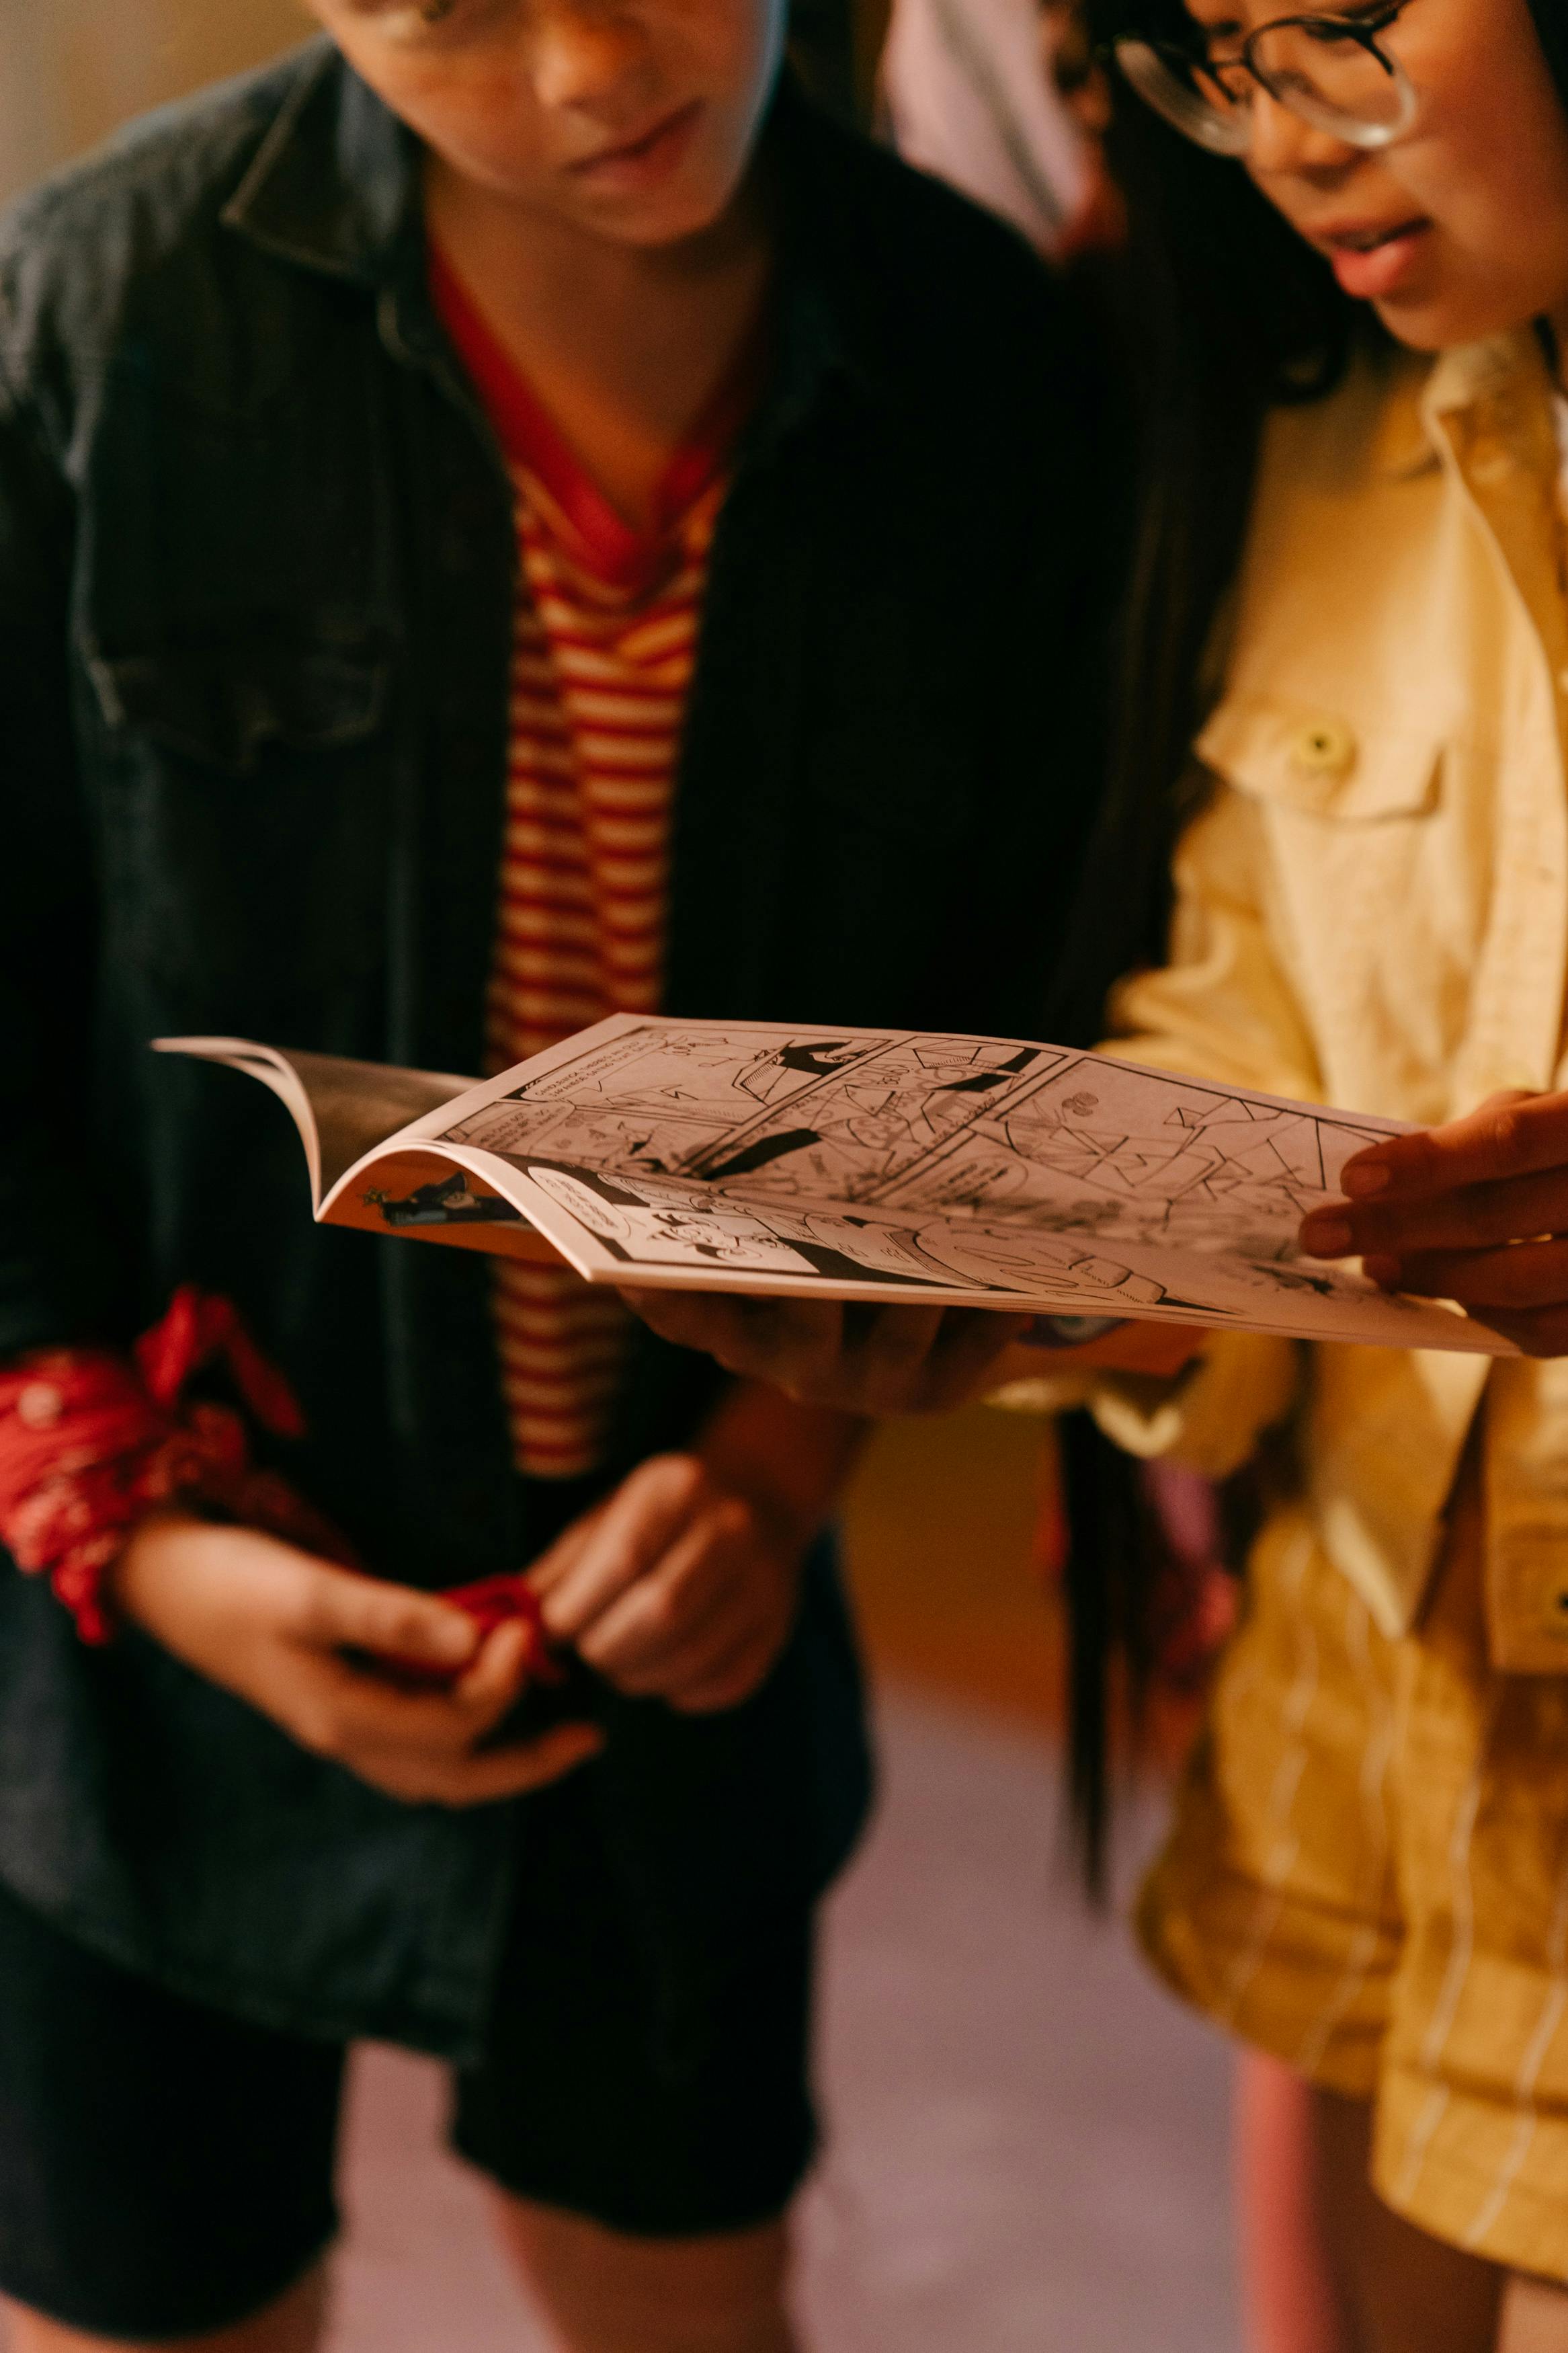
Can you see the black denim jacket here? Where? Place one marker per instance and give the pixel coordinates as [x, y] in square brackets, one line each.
[256, 577]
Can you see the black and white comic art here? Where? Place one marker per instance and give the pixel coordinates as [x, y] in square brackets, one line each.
[888, 1164]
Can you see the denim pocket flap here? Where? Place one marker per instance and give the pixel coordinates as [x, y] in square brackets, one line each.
[226, 709]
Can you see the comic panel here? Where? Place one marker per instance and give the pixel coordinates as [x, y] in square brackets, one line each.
[1136, 1156]
[660, 1098]
[643, 1221]
[650, 1230]
[783, 1115]
[868, 1127]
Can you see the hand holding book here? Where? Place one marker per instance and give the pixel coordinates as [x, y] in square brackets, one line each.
[1474, 1212]
[854, 1169]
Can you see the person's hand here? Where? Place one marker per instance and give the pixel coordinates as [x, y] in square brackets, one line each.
[861, 1360]
[679, 1589]
[273, 1625]
[1475, 1211]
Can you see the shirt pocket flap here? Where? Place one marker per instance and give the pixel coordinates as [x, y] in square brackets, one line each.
[224, 708]
[1317, 761]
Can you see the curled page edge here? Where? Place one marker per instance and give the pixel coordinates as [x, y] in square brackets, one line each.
[288, 1073]
[275, 1071]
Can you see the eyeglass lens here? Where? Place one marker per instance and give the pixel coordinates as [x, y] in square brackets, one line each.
[1311, 66]
[1329, 77]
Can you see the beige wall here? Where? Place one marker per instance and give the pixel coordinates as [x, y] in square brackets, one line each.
[70, 69]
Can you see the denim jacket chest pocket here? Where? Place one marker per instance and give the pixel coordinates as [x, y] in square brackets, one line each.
[243, 796]
[235, 630]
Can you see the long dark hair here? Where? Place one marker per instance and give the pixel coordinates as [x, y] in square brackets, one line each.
[1228, 314]
[1551, 24]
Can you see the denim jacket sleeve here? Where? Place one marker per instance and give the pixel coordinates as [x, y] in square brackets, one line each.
[57, 1261]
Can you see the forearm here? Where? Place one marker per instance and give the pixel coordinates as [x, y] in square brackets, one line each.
[792, 1460]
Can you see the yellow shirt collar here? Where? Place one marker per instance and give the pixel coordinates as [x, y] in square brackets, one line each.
[1422, 392]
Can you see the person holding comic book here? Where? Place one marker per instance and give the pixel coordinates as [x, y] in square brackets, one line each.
[1366, 213]
[505, 516]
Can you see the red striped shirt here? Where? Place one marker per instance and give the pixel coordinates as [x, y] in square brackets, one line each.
[604, 645]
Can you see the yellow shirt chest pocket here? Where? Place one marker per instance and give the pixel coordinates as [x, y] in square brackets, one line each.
[1317, 760]
[1364, 873]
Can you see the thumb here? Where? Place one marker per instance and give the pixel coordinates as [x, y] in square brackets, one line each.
[496, 1677]
[394, 1621]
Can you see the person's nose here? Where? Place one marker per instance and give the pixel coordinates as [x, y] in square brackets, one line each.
[588, 55]
[1282, 142]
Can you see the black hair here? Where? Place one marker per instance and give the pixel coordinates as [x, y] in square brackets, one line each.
[1226, 314]
[1230, 314]
[1552, 26]
[825, 53]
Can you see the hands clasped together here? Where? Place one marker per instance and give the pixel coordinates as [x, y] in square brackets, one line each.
[1475, 1211]
[680, 1588]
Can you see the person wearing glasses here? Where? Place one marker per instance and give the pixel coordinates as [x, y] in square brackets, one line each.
[1348, 658]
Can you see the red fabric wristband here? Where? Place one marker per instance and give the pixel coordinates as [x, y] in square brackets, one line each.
[91, 1444]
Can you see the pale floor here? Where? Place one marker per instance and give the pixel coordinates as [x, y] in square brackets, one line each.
[1029, 2145]
[1029, 2140]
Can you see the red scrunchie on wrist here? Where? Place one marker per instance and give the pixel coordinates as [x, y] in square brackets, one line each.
[90, 1443]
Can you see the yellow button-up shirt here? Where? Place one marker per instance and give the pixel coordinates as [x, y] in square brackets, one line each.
[1373, 911]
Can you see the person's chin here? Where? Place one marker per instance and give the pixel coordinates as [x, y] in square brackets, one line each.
[674, 215]
[1437, 321]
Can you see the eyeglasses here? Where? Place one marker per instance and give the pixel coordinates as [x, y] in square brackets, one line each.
[1327, 71]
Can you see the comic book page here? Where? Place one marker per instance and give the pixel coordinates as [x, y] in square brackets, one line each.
[892, 1165]
[351, 1116]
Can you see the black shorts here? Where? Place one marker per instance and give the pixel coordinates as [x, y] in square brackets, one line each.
[165, 2169]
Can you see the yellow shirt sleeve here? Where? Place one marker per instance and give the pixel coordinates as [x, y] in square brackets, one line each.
[1222, 1009]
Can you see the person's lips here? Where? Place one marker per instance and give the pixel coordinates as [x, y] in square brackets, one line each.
[1370, 259]
[642, 161]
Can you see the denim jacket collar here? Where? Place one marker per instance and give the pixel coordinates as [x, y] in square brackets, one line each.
[335, 188]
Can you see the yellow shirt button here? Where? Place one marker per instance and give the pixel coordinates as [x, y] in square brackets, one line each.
[1325, 749]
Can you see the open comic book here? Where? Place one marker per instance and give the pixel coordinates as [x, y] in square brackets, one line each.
[857, 1165]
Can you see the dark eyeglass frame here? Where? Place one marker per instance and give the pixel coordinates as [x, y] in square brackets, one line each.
[1194, 59]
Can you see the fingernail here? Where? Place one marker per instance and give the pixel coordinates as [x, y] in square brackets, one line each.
[1363, 1178]
[558, 1616]
[1328, 1236]
[454, 1636]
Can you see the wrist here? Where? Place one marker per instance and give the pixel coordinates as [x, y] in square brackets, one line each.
[790, 1461]
[132, 1577]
